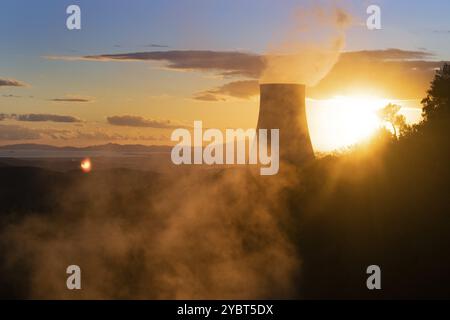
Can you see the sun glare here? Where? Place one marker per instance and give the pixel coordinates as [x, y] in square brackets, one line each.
[343, 121]
[86, 165]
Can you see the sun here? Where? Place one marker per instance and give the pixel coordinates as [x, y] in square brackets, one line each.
[343, 121]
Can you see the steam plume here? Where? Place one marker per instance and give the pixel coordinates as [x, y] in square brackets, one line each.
[309, 51]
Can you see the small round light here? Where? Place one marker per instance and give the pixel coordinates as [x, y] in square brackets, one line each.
[86, 165]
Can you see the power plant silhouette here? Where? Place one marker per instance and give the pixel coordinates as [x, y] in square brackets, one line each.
[282, 106]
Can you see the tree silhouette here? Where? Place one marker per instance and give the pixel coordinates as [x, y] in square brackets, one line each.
[390, 115]
[437, 103]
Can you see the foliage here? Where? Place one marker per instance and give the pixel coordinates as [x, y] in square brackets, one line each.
[397, 121]
[437, 102]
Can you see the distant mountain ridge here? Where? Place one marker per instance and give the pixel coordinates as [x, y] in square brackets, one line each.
[109, 147]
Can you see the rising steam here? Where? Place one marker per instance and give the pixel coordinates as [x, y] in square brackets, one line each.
[202, 236]
[310, 49]
[211, 235]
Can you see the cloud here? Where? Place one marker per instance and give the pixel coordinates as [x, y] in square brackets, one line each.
[114, 136]
[39, 117]
[74, 99]
[155, 45]
[206, 96]
[141, 122]
[391, 73]
[16, 96]
[243, 89]
[231, 63]
[94, 135]
[395, 73]
[13, 132]
[227, 63]
[390, 54]
[10, 96]
[34, 117]
[11, 83]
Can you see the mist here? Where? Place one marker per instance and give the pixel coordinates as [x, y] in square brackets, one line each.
[207, 234]
[303, 55]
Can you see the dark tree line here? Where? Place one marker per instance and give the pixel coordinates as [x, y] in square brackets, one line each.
[385, 204]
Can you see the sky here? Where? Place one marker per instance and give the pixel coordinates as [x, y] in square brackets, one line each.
[202, 61]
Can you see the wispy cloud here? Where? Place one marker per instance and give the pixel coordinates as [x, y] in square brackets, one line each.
[137, 121]
[382, 70]
[207, 96]
[155, 45]
[94, 135]
[390, 54]
[39, 117]
[10, 96]
[73, 99]
[35, 117]
[244, 89]
[16, 132]
[11, 83]
[227, 63]
[393, 73]
[230, 62]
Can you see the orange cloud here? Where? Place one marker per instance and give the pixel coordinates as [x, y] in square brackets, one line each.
[137, 121]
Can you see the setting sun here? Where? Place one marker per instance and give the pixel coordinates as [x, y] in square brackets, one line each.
[343, 120]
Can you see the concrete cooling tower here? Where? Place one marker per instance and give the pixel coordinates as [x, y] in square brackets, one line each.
[282, 106]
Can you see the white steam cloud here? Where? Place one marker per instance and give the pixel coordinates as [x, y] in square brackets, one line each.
[309, 51]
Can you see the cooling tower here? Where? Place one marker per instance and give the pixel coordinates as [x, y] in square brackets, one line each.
[282, 107]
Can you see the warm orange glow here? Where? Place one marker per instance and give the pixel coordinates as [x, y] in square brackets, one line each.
[86, 165]
[343, 121]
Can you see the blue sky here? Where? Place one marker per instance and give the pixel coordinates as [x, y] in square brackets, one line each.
[32, 30]
[38, 27]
